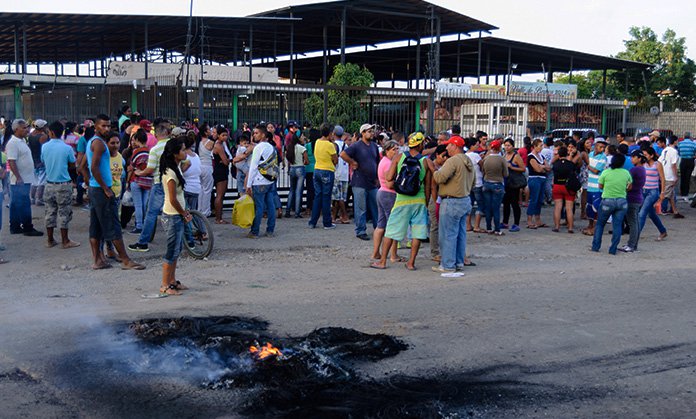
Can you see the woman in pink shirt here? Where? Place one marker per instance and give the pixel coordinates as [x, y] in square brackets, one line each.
[386, 195]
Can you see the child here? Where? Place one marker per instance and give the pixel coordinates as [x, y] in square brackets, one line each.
[241, 162]
[116, 163]
[174, 214]
[139, 185]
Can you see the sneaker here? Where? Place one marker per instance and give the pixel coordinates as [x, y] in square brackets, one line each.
[626, 249]
[515, 228]
[363, 237]
[678, 216]
[311, 225]
[270, 234]
[441, 270]
[136, 231]
[252, 236]
[137, 247]
[33, 233]
[331, 227]
[503, 225]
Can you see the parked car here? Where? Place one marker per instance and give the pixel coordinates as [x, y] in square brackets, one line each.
[562, 133]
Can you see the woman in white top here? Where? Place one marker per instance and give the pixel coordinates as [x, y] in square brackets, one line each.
[205, 151]
[191, 168]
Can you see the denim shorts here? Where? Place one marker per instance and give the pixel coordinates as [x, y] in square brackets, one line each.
[477, 198]
[385, 203]
[174, 227]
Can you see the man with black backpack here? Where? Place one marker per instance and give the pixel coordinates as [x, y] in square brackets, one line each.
[411, 177]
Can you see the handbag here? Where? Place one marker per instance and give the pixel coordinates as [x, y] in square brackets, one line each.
[516, 180]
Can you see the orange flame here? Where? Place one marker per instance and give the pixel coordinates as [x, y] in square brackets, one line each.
[265, 351]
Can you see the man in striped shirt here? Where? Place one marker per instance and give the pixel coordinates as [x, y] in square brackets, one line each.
[687, 149]
[163, 130]
[598, 161]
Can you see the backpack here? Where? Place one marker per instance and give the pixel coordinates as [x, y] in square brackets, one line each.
[408, 181]
[269, 167]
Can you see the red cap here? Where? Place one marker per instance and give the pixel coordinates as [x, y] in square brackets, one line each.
[456, 140]
[496, 144]
[145, 124]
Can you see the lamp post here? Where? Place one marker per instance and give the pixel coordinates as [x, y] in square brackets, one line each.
[247, 50]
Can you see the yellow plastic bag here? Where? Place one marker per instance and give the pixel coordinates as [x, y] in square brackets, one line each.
[243, 211]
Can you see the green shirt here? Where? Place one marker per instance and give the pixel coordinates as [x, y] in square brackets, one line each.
[419, 198]
[615, 182]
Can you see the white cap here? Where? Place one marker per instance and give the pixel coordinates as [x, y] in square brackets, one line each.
[365, 127]
[40, 123]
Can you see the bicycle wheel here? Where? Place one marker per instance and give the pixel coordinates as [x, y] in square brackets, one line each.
[199, 242]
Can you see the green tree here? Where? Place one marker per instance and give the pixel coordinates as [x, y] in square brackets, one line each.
[672, 72]
[344, 105]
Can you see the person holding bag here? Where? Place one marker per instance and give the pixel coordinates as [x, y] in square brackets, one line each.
[515, 182]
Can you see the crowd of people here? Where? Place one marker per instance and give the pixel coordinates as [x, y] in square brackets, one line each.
[412, 188]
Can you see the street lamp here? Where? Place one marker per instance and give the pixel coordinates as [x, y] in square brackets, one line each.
[247, 50]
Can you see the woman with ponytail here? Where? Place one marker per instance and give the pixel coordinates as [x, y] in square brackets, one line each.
[174, 214]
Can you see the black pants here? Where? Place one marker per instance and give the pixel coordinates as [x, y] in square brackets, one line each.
[685, 168]
[309, 187]
[511, 199]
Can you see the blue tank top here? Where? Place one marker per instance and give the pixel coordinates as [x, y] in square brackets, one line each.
[104, 164]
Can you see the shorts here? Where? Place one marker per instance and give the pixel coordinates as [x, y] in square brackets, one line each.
[103, 216]
[404, 216]
[58, 201]
[669, 188]
[39, 176]
[174, 227]
[385, 203]
[561, 192]
[340, 190]
[594, 199]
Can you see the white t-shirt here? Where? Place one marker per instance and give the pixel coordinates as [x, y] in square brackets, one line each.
[262, 151]
[475, 159]
[669, 157]
[192, 175]
[18, 150]
[342, 166]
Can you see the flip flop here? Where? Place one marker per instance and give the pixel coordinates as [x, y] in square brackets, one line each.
[2, 261]
[477, 230]
[154, 296]
[470, 264]
[375, 266]
[587, 232]
[400, 259]
[532, 227]
[133, 267]
[571, 232]
[221, 222]
[409, 268]
[100, 267]
[542, 225]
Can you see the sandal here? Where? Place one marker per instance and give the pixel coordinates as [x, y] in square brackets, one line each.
[532, 227]
[179, 286]
[221, 222]
[587, 232]
[477, 230]
[542, 225]
[570, 231]
[555, 230]
[169, 290]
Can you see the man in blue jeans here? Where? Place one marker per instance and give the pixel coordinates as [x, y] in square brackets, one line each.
[456, 179]
[324, 171]
[363, 158]
[261, 189]
[21, 177]
[163, 130]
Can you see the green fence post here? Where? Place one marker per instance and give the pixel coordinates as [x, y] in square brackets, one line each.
[417, 115]
[548, 115]
[134, 100]
[235, 110]
[18, 106]
[604, 121]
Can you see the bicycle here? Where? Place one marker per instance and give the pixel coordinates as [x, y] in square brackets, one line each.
[198, 236]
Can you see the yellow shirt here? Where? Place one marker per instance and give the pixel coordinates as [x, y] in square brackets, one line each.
[116, 163]
[323, 150]
[168, 208]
